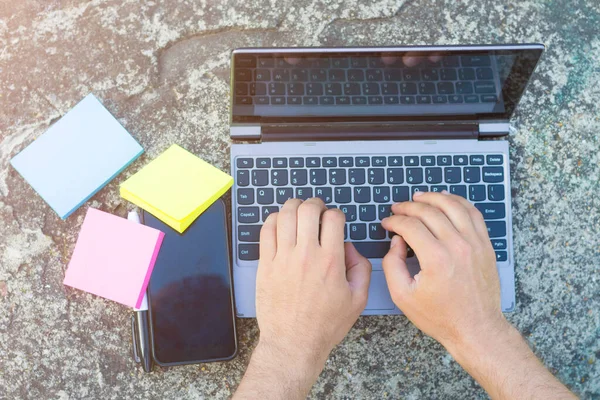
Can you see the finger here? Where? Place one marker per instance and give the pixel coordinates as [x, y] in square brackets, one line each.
[474, 213]
[411, 61]
[292, 60]
[309, 218]
[434, 219]
[332, 231]
[415, 233]
[268, 238]
[358, 274]
[397, 276]
[451, 205]
[435, 58]
[287, 224]
[389, 60]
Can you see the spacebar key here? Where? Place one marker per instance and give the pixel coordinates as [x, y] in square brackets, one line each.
[372, 249]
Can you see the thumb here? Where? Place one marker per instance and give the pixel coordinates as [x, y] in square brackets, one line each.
[358, 273]
[396, 272]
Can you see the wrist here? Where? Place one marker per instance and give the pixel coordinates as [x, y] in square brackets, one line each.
[302, 361]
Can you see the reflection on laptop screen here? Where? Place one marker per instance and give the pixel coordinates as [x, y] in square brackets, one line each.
[339, 83]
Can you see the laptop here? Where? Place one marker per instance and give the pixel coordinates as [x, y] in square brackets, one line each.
[365, 127]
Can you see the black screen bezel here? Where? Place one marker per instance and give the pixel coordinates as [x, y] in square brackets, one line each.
[527, 57]
[222, 208]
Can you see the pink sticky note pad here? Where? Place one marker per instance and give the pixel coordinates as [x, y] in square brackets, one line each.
[114, 258]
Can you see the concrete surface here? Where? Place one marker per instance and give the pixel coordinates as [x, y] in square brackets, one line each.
[161, 67]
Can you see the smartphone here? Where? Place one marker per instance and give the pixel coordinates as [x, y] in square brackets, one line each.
[190, 297]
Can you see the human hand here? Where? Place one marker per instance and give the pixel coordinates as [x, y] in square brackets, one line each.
[310, 287]
[456, 295]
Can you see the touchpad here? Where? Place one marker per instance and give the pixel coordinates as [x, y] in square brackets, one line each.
[379, 296]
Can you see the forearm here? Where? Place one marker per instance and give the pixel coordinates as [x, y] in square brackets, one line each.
[277, 374]
[506, 368]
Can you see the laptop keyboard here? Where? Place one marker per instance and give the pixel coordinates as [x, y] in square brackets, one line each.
[334, 81]
[364, 188]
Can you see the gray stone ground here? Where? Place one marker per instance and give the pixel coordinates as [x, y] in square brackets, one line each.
[161, 67]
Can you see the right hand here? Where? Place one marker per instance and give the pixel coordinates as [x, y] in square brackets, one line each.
[456, 295]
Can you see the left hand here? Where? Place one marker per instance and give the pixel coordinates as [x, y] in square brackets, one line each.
[311, 287]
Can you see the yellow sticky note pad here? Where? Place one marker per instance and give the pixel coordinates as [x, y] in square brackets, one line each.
[176, 187]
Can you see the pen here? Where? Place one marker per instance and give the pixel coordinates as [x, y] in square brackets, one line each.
[140, 322]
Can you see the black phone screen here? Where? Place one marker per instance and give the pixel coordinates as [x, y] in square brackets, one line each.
[189, 294]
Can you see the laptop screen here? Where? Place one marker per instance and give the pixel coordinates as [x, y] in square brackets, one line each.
[379, 84]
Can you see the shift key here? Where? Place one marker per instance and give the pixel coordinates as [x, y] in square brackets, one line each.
[248, 215]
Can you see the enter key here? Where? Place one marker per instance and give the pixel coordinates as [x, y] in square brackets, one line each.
[491, 210]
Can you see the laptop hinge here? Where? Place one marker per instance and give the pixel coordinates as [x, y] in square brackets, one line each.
[245, 132]
[493, 129]
[319, 132]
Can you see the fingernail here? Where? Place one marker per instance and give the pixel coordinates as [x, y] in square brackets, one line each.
[445, 192]
[417, 194]
[395, 241]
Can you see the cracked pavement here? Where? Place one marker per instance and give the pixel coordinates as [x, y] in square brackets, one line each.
[162, 68]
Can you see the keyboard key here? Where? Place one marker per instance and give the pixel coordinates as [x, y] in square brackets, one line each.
[268, 210]
[262, 100]
[444, 160]
[243, 177]
[358, 231]
[489, 98]
[245, 61]
[318, 75]
[375, 100]
[358, 62]
[459, 190]
[329, 100]
[461, 160]
[282, 75]
[342, 195]
[313, 162]
[249, 233]
[352, 89]
[370, 88]
[245, 163]
[356, 176]
[299, 75]
[264, 196]
[466, 74]
[344, 100]
[296, 162]
[496, 192]
[445, 88]
[384, 210]
[427, 160]
[318, 176]
[407, 100]
[423, 99]
[373, 249]
[452, 175]
[283, 194]
[376, 232]
[476, 160]
[276, 89]
[280, 163]
[499, 244]
[495, 159]
[359, 100]
[350, 212]
[475, 61]
[455, 98]
[262, 75]
[439, 99]
[395, 161]
[263, 163]
[241, 89]
[484, 73]
[389, 88]
[429, 74]
[298, 177]
[411, 75]
[477, 192]
[374, 75]
[367, 213]
[337, 75]
[279, 177]
[419, 188]
[314, 89]
[337, 176]
[248, 252]
[394, 74]
[346, 162]
[496, 228]
[243, 75]
[501, 256]
[485, 87]
[426, 88]
[391, 99]
[304, 193]
[356, 75]
[260, 177]
[245, 196]
[471, 98]
[362, 194]
[325, 194]
[258, 89]
[433, 175]
[464, 87]
[471, 174]
[310, 100]
[381, 194]
[451, 61]
[448, 74]
[414, 175]
[493, 174]
[411, 161]
[333, 89]
[491, 210]
[395, 176]
[400, 193]
[248, 215]
[329, 162]
[439, 188]
[408, 88]
[378, 161]
[322, 62]
[295, 89]
[376, 176]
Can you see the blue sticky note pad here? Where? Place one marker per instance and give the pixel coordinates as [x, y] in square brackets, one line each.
[77, 156]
